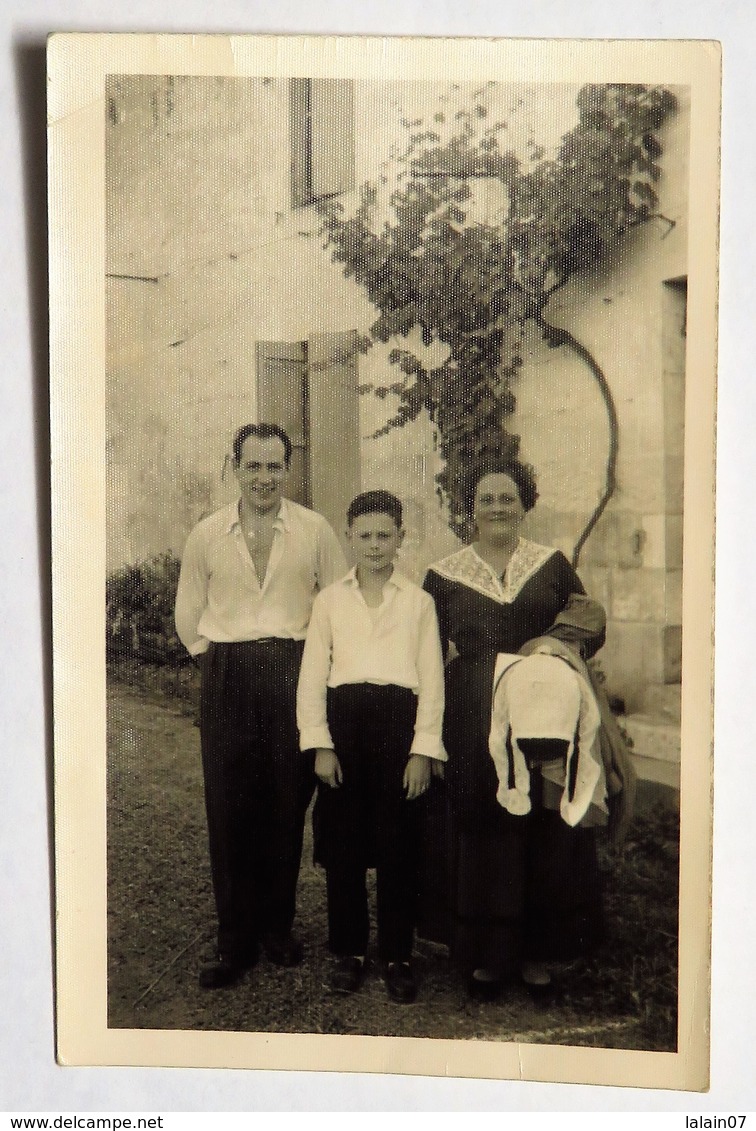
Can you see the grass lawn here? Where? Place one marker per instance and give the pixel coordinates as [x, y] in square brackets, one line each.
[161, 923]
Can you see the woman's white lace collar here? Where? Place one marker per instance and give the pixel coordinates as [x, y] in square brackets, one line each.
[468, 568]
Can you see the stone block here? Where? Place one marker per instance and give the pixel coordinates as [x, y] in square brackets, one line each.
[560, 529]
[642, 420]
[632, 658]
[674, 409]
[641, 476]
[673, 480]
[662, 701]
[596, 549]
[653, 738]
[617, 540]
[597, 582]
[674, 541]
[567, 527]
[654, 531]
[638, 595]
[673, 596]
[672, 653]
[674, 436]
[674, 303]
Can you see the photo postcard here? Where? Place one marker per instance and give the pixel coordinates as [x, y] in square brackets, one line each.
[383, 384]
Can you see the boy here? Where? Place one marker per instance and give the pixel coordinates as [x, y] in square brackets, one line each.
[370, 703]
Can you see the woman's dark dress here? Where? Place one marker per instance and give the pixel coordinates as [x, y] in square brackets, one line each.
[518, 886]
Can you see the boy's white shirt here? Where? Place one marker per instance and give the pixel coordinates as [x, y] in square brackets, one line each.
[398, 643]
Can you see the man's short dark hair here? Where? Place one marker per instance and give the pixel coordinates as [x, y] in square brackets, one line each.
[375, 502]
[262, 432]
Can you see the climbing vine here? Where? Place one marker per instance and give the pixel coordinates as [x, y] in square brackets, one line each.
[463, 241]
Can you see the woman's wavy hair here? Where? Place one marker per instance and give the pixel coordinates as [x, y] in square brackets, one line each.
[521, 474]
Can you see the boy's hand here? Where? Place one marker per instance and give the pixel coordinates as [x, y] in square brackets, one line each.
[327, 768]
[437, 769]
[417, 776]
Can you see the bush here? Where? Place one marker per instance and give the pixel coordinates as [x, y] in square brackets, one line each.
[140, 601]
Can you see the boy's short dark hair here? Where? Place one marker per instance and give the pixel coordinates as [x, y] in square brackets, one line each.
[261, 431]
[375, 502]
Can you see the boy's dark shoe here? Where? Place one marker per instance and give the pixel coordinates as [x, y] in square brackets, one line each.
[347, 975]
[283, 950]
[400, 982]
[484, 989]
[225, 970]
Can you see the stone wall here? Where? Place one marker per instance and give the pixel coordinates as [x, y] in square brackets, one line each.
[631, 316]
[206, 258]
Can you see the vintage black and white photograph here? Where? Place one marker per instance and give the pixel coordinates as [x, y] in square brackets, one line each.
[394, 471]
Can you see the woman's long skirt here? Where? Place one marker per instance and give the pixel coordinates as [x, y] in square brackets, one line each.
[498, 888]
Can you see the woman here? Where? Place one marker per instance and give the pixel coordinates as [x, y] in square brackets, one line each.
[524, 888]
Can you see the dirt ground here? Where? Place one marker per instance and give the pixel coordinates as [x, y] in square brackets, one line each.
[161, 925]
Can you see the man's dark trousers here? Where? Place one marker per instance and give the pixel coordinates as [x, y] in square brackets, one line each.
[258, 786]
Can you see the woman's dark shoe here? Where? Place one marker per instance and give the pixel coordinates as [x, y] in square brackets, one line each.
[225, 970]
[283, 950]
[347, 975]
[484, 989]
[400, 982]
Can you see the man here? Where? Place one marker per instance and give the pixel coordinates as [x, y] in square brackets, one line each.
[249, 575]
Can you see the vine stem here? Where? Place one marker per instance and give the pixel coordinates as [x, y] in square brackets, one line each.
[556, 336]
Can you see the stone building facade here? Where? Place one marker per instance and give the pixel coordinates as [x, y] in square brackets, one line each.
[223, 307]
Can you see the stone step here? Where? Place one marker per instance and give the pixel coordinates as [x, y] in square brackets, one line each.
[656, 748]
[653, 737]
[655, 771]
[662, 700]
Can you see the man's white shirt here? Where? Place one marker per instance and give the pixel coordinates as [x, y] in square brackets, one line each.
[220, 596]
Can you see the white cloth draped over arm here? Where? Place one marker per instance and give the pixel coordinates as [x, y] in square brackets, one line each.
[515, 800]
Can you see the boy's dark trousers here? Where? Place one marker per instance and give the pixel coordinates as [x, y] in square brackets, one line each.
[367, 822]
[257, 788]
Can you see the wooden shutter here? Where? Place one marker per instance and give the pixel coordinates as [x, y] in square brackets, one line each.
[282, 399]
[299, 135]
[331, 136]
[334, 425]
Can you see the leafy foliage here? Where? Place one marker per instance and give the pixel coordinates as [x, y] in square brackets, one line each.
[444, 271]
[140, 600]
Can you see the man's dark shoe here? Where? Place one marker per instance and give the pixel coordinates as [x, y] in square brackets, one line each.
[283, 950]
[225, 970]
[347, 975]
[400, 982]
